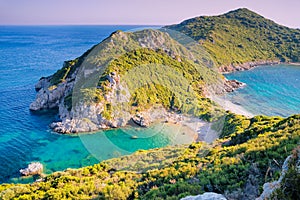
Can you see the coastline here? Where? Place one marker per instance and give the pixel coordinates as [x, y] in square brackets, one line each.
[293, 63]
[237, 109]
[226, 69]
[196, 128]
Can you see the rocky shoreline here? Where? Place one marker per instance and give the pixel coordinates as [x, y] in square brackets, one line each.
[88, 118]
[245, 66]
[232, 85]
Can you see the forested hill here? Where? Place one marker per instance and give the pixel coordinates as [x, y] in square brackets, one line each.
[242, 36]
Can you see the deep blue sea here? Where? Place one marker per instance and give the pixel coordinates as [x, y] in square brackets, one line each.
[271, 90]
[30, 52]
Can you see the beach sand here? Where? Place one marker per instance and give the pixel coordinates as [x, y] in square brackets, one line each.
[228, 105]
[194, 127]
[184, 125]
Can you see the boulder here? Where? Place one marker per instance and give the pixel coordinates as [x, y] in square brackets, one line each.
[140, 120]
[231, 85]
[206, 196]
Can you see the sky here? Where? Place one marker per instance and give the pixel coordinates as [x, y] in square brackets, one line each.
[150, 12]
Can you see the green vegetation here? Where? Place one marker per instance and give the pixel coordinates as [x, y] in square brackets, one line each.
[162, 65]
[290, 185]
[258, 143]
[242, 36]
[68, 69]
[164, 80]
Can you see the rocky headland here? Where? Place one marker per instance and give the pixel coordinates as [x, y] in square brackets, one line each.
[59, 90]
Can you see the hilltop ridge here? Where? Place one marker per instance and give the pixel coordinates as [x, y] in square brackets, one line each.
[242, 37]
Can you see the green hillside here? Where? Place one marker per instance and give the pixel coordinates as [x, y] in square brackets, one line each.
[242, 36]
[171, 74]
[248, 148]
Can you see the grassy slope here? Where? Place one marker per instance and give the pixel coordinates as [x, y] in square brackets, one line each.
[242, 36]
[174, 172]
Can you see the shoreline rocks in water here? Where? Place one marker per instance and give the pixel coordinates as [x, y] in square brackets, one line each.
[231, 85]
[34, 168]
[245, 66]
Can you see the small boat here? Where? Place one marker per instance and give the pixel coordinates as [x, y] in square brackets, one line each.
[134, 137]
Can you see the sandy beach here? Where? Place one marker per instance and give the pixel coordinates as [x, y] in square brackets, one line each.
[196, 128]
[228, 105]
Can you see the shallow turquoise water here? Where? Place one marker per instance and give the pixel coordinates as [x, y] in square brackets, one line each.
[26, 54]
[270, 90]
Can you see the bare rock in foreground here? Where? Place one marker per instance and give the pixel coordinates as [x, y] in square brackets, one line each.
[206, 196]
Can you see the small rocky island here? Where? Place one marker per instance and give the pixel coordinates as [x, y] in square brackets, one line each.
[34, 168]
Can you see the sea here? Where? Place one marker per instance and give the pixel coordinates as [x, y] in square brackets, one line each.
[28, 53]
[272, 90]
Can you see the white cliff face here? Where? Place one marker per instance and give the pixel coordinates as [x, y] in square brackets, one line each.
[48, 99]
[88, 117]
[48, 96]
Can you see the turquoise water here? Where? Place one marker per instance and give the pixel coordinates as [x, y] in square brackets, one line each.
[270, 90]
[26, 54]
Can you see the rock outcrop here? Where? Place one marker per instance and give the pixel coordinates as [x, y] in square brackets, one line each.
[231, 85]
[34, 168]
[245, 66]
[206, 196]
[140, 120]
[269, 188]
[50, 96]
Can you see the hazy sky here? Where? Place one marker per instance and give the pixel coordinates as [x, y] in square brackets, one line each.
[159, 12]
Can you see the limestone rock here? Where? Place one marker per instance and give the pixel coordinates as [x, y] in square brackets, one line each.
[48, 98]
[272, 186]
[231, 85]
[206, 196]
[44, 82]
[32, 169]
[140, 120]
